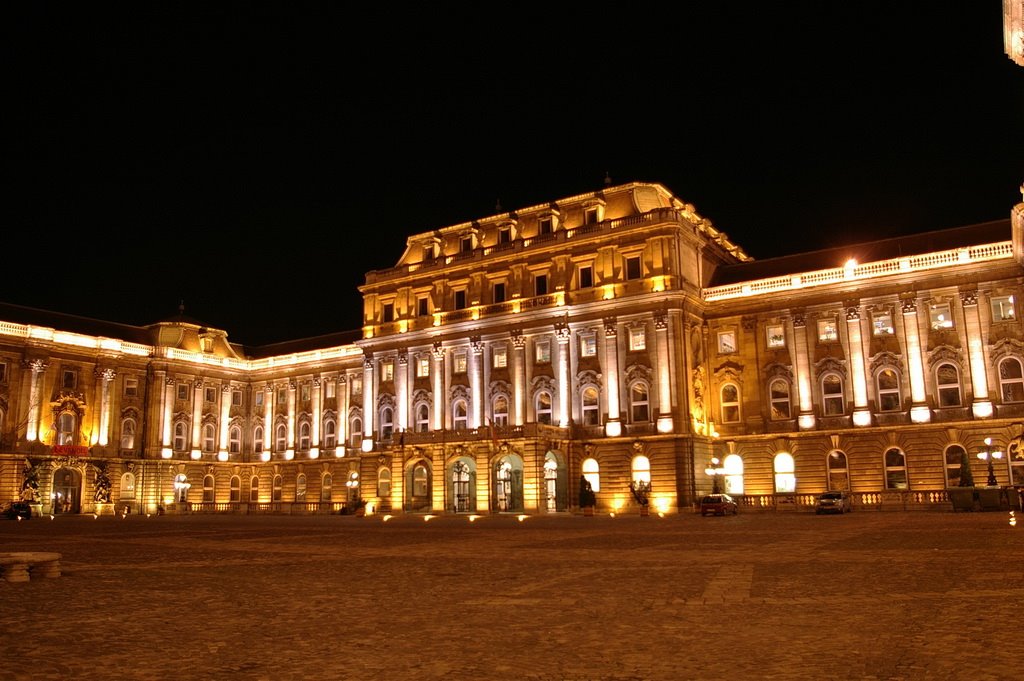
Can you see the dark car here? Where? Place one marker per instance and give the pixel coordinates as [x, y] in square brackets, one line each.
[18, 509]
[833, 502]
[718, 504]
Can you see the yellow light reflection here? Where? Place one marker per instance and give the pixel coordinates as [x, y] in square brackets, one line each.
[521, 518]
[473, 518]
[427, 518]
[386, 518]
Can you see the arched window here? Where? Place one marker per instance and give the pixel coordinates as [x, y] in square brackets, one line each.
[895, 470]
[419, 480]
[235, 440]
[276, 489]
[639, 406]
[209, 438]
[591, 410]
[543, 407]
[384, 483]
[304, 436]
[236, 489]
[785, 473]
[422, 418]
[356, 432]
[128, 433]
[209, 493]
[254, 489]
[838, 473]
[386, 423]
[732, 470]
[257, 439]
[180, 440]
[832, 401]
[779, 399]
[330, 433]
[888, 382]
[66, 428]
[1011, 380]
[500, 410]
[956, 456]
[128, 486]
[460, 415]
[640, 468]
[730, 403]
[325, 488]
[280, 438]
[947, 382]
[592, 472]
[300, 487]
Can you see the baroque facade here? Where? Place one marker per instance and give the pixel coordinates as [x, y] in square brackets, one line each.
[616, 336]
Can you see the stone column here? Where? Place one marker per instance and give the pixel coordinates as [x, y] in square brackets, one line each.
[37, 367]
[167, 415]
[861, 413]
[105, 376]
[225, 422]
[402, 397]
[805, 385]
[197, 419]
[562, 337]
[613, 426]
[437, 376]
[982, 406]
[665, 424]
[518, 377]
[369, 399]
[290, 450]
[919, 411]
[476, 380]
[343, 406]
[318, 417]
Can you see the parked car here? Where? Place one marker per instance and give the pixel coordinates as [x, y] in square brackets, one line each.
[18, 509]
[834, 502]
[718, 504]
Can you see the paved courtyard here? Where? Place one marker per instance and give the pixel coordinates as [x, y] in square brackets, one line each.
[869, 595]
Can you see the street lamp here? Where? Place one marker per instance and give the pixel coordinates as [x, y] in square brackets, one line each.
[714, 470]
[989, 455]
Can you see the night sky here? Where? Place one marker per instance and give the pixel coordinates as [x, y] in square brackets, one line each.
[255, 160]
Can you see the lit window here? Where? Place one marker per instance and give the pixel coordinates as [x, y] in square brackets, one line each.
[277, 488]
[638, 403]
[128, 486]
[329, 390]
[895, 470]
[588, 344]
[632, 267]
[641, 469]
[726, 342]
[281, 438]
[592, 473]
[460, 415]
[300, 487]
[305, 392]
[387, 370]
[838, 473]
[586, 276]
[254, 489]
[730, 403]
[827, 331]
[785, 473]
[1011, 380]
[422, 418]
[940, 316]
[637, 338]
[589, 402]
[384, 483]
[67, 424]
[544, 407]
[776, 336]
[732, 469]
[778, 392]
[180, 441]
[460, 360]
[131, 385]
[128, 434]
[881, 324]
[235, 440]
[257, 440]
[542, 351]
[209, 437]
[833, 402]
[1002, 309]
[356, 382]
[500, 410]
[422, 367]
[500, 356]
[956, 457]
[330, 434]
[888, 382]
[304, 438]
[420, 480]
[209, 490]
[386, 423]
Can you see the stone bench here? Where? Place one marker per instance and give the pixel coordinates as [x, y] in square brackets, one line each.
[16, 566]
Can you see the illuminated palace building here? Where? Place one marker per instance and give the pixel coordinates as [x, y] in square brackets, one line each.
[616, 336]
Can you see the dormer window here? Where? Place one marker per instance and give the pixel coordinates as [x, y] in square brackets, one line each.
[428, 253]
[505, 235]
[591, 216]
[466, 244]
[546, 226]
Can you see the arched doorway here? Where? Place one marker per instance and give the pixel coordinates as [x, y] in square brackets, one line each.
[556, 488]
[67, 491]
[417, 486]
[462, 485]
[508, 484]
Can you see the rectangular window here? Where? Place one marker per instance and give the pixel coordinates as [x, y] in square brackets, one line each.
[183, 391]
[586, 276]
[357, 385]
[827, 331]
[500, 355]
[466, 244]
[776, 336]
[637, 338]
[460, 363]
[422, 367]
[542, 351]
[282, 396]
[236, 398]
[499, 292]
[505, 235]
[940, 316]
[305, 392]
[881, 324]
[258, 395]
[428, 253]
[389, 313]
[422, 310]
[329, 390]
[387, 370]
[590, 216]
[726, 342]
[211, 395]
[588, 344]
[1002, 309]
[460, 299]
[545, 226]
[632, 267]
[131, 386]
[540, 283]
[69, 379]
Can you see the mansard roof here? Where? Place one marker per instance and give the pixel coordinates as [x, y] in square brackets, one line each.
[75, 324]
[870, 251]
[329, 340]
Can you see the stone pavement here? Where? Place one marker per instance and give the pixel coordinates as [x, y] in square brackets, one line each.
[869, 595]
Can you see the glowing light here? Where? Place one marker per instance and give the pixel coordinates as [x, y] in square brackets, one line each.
[51, 517]
[806, 421]
[861, 417]
[289, 454]
[661, 514]
[95, 517]
[196, 454]
[367, 445]
[265, 456]
[428, 518]
[222, 455]
[386, 518]
[612, 514]
[613, 428]
[166, 453]
[521, 518]
[665, 424]
[473, 518]
[314, 453]
[609, 292]
[982, 410]
[657, 284]
[1013, 519]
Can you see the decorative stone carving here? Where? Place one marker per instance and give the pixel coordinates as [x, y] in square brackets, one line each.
[969, 298]
[611, 327]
